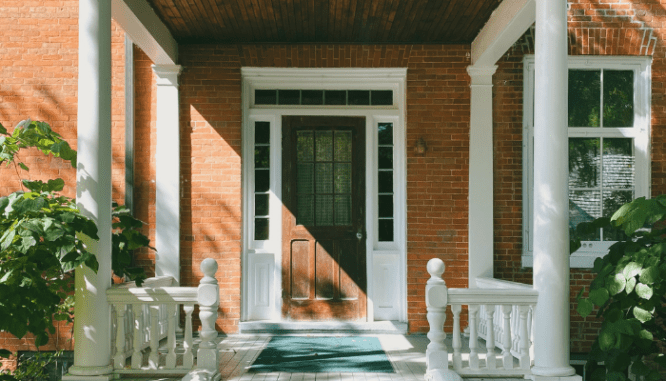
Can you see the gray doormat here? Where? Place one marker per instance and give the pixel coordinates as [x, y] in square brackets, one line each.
[322, 354]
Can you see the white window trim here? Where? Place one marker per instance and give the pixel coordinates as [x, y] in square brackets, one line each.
[380, 256]
[585, 256]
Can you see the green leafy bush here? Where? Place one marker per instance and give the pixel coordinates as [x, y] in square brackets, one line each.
[41, 241]
[630, 291]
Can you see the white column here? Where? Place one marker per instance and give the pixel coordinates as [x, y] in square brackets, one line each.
[481, 173]
[167, 198]
[551, 201]
[92, 325]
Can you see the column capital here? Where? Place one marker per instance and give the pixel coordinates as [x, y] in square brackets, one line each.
[167, 75]
[481, 75]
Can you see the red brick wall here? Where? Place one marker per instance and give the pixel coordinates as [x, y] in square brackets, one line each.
[38, 80]
[594, 28]
[437, 111]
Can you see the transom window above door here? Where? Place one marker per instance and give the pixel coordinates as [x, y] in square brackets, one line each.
[315, 97]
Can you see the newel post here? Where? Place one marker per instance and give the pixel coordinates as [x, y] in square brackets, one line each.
[209, 301]
[437, 356]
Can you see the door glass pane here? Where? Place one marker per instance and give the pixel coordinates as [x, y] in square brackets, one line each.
[359, 97]
[305, 178]
[312, 97]
[265, 97]
[305, 210]
[261, 204]
[343, 146]
[385, 158]
[584, 98]
[289, 97]
[584, 162]
[262, 156]
[382, 97]
[261, 229]
[386, 206]
[262, 132]
[618, 163]
[584, 206]
[618, 98]
[305, 146]
[343, 207]
[324, 145]
[385, 133]
[261, 180]
[385, 230]
[385, 182]
[324, 178]
[335, 97]
[343, 178]
[324, 210]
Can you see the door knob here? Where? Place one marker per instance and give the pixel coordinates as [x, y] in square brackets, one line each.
[359, 235]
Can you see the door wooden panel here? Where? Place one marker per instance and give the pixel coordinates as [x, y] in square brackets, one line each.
[324, 264]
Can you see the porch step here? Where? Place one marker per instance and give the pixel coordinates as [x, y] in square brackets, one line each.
[329, 327]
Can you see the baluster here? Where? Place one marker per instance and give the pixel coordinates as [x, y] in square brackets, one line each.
[119, 358]
[171, 336]
[129, 332]
[164, 319]
[524, 339]
[481, 327]
[154, 358]
[457, 345]
[209, 300]
[507, 358]
[498, 327]
[188, 356]
[491, 361]
[137, 356]
[473, 336]
[515, 329]
[437, 356]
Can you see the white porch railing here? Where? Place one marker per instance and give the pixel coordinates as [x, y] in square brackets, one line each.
[146, 315]
[513, 339]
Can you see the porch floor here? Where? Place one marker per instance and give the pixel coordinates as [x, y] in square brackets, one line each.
[406, 353]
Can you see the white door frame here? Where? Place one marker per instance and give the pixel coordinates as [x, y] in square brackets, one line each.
[261, 261]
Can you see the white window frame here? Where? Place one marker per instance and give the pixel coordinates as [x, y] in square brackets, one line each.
[640, 132]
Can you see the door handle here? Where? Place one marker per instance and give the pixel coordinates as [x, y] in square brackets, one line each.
[359, 235]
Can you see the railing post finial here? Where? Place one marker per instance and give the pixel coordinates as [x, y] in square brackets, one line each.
[437, 357]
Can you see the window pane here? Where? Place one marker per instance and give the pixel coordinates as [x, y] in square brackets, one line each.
[260, 204]
[613, 200]
[385, 230]
[265, 97]
[385, 133]
[261, 180]
[583, 162]
[385, 206]
[335, 97]
[584, 206]
[385, 158]
[618, 163]
[289, 97]
[385, 179]
[261, 229]
[324, 145]
[262, 157]
[359, 97]
[584, 98]
[382, 97]
[262, 132]
[312, 97]
[618, 98]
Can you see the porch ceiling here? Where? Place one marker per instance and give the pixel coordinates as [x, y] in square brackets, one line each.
[324, 21]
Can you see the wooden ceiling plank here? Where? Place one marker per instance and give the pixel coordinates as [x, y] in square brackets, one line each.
[390, 19]
[456, 9]
[220, 25]
[472, 23]
[404, 24]
[399, 22]
[171, 12]
[273, 16]
[380, 18]
[232, 25]
[255, 13]
[188, 15]
[244, 19]
[299, 20]
[415, 18]
[481, 11]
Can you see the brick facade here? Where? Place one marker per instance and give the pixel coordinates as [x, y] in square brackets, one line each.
[38, 58]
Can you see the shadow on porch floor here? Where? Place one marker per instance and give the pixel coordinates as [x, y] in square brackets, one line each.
[406, 353]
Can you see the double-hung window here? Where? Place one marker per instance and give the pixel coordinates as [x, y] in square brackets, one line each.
[608, 126]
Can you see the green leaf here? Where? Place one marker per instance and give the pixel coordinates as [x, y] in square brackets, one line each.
[616, 284]
[26, 244]
[631, 270]
[631, 284]
[23, 166]
[599, 296]
[649, 275]
[644, 291]
[641, 314]
[606, 340]
[645, 334]
[3, 130]
[615, 376]
[55, 185]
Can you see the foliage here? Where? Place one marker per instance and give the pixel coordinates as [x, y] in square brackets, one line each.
[42, 239]
[630, 291]
[31, 368]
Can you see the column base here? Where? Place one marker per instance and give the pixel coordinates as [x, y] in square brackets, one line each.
[89, 373]
[566, 373]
